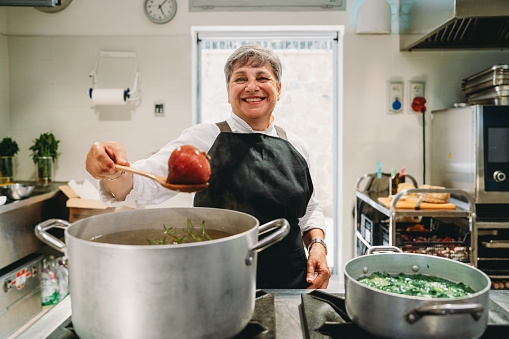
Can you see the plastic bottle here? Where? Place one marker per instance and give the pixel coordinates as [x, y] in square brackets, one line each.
[393, 183]
[49, 282]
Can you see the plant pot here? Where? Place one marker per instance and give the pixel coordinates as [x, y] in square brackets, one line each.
[44, 168]
[6, 169]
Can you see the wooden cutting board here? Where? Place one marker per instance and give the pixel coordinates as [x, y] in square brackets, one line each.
[411, 203]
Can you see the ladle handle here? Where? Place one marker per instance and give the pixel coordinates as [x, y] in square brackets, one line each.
[136, 171]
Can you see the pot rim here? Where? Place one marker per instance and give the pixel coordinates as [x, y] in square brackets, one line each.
[167, 246]
[417, 298]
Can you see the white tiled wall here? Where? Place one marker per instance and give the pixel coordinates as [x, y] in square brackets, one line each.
[45, 60]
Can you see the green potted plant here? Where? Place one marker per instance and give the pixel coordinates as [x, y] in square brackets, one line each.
[8, 149]
[44, 153]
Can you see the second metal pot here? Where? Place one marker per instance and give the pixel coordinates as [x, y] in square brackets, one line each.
[195, 290]
[393, 315]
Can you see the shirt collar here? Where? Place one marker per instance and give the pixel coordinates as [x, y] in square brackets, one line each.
[238, 125]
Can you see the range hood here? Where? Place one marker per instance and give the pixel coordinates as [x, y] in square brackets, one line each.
[453, 24]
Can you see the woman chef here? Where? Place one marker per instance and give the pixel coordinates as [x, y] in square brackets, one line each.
[257, 168]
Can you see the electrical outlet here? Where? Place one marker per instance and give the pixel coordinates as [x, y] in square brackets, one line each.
[159, 109]
[415, 89]
[395, 97]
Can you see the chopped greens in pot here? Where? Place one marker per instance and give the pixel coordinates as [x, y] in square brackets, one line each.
[417, 285]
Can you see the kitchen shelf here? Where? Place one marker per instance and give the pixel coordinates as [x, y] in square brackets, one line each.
[465, 208]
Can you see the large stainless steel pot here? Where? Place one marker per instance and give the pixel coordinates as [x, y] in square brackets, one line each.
[195, 290]
[393, 315]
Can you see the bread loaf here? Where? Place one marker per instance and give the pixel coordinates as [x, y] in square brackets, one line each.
[405, 186]
[435, 198]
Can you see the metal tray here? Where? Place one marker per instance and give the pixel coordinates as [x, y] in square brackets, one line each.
[503, 101]
[491, 93]
[497, 75]
[488, 82]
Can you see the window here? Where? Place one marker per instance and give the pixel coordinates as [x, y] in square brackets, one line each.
[308, 104]
[272, 5]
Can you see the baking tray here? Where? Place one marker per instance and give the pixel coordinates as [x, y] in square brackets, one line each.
[489, 82]
[498, 95]
[497, 75]
[502, 101]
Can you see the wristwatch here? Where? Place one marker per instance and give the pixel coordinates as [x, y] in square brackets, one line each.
[318, 240]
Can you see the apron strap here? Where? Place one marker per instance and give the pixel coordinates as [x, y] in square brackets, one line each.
[225, 128]
[281, 132]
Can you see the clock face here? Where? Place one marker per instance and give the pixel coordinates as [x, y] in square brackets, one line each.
[160, 11]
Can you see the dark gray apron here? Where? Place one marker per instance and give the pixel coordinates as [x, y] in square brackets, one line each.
[267, 178]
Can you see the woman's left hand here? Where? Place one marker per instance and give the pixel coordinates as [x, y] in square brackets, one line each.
[318, 273]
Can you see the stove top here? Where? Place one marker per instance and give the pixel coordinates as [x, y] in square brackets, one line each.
[324, 316]
[261, 326]
[312, 315]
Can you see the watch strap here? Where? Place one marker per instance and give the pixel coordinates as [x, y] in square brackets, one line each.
[320, 241]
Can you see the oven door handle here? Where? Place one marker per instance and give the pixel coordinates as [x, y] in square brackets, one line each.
[496, 244]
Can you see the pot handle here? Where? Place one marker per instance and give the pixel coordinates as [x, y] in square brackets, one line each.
[383, 249]
[41, 233]
[284, 229]
[475, 310]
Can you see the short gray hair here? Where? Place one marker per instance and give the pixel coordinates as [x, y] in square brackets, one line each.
[253, 55]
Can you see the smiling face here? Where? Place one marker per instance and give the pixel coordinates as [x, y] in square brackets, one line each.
[253, 93]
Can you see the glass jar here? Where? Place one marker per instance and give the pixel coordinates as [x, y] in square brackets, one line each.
[6, 169]
[44, 171]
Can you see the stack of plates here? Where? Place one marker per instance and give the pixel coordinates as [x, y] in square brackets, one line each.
[489, 87]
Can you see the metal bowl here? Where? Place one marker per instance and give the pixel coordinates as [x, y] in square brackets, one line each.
[17, 191]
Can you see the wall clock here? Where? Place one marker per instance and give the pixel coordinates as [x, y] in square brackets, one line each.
[160, 11]
[62, 4]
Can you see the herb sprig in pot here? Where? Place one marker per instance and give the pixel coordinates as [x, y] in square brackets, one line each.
[8, 149]
[44, 152]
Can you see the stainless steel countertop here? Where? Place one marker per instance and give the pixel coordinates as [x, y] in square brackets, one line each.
[39, 194]
[288, 319]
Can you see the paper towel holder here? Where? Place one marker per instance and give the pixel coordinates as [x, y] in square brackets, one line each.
[129, 96]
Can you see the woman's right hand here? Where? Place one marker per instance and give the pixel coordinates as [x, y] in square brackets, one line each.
[103, 156]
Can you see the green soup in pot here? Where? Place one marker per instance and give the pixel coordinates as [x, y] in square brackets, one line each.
[417, 285]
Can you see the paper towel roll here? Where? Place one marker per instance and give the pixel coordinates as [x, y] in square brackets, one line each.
[109, 96]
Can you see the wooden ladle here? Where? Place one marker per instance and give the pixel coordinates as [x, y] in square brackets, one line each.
[162, 180]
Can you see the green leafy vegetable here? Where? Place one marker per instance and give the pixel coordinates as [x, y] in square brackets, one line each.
[204, 235]
[162, 241]
[45, 146]
[417, 285]
[171, 232]
[8, 147]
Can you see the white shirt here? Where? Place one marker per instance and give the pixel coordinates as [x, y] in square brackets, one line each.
[148, 192]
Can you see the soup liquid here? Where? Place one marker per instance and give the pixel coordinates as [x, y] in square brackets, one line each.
[153, 236]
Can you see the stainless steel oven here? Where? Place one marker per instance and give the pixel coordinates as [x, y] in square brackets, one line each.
[470, 151]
